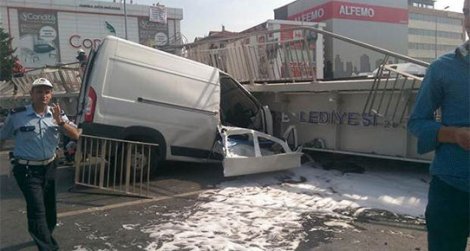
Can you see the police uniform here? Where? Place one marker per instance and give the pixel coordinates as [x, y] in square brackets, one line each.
[34, 167]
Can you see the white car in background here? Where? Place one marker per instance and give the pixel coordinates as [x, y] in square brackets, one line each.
[409, 68]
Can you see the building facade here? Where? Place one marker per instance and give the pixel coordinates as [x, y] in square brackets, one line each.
[433, 32]
[391, 25]
[49, 32]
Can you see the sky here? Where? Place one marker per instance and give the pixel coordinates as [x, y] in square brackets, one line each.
[202, 16]
[267, 211]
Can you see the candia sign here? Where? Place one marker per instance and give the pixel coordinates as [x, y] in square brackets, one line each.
[44, 18]
[77, 41]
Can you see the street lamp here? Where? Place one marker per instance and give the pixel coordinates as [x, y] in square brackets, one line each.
[435, 32]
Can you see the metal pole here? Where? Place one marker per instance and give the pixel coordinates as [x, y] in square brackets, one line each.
[333, 35]
[125, 20]
[435, 37]
[435, 33]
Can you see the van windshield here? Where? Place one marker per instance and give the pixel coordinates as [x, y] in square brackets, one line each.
[238, 107]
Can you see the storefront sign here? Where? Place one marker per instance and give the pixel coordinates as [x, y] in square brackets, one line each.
[332, 118]
[347, 10]
[356, 11]
[311, 15]
[158, 14]
[99, 6]
[77, 41]
[38, 42]
[152, 34]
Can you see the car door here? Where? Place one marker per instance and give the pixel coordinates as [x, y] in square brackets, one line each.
[248, 151]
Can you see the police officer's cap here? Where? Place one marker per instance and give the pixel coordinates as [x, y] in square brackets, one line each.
[42, 81]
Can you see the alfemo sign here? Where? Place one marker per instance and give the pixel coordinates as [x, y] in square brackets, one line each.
[343, 11]
[356, 11]
[312, 15]
[352, 11]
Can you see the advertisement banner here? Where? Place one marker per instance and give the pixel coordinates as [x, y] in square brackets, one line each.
[352, 11]
[158, 14]
[152, 34]
[38, 44]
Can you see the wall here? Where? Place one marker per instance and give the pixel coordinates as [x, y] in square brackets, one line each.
[333, 112]
[48, 32]
[428, 28]
[357, 60]
[381, 23]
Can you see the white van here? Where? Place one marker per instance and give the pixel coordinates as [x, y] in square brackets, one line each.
[134, 92]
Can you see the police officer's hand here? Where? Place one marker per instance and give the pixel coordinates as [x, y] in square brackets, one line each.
[56, 111]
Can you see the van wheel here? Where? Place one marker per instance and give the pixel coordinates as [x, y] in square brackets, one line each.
[141, 158]
[143, 162]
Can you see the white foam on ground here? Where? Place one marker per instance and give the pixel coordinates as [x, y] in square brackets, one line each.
[259, 212]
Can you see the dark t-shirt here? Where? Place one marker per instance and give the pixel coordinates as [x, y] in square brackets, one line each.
[82, 58]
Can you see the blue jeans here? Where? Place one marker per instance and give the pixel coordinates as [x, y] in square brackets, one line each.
[447, 217]
[37, 183]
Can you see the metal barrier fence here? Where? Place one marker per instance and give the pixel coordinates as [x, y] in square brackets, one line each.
[65, 79]
[280, 55]
[390, 95]
[119, 166]
[277, 59]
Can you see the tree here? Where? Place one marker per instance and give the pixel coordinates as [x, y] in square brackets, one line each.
[7, 59]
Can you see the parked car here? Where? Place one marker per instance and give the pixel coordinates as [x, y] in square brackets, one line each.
[409, 68]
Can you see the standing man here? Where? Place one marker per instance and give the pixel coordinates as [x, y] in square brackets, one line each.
[447, 86]
[82, 60]
[36, 129]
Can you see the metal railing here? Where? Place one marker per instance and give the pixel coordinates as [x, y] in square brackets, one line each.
[293, 60]
[113, 165]
[279, 55]
[65, 79]
[271, 55]
[387, 100]
[390, 95]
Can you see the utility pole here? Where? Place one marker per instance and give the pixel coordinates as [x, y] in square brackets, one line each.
[125, 20]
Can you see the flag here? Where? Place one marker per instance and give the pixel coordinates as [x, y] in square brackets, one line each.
[110, 28]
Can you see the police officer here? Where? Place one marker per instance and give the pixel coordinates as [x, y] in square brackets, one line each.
[36, 129]
[82, 59]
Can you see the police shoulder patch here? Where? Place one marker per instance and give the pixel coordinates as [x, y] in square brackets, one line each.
[18, 109]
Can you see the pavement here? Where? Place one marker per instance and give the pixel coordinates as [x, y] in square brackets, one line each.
[99, 221]
[83, 211]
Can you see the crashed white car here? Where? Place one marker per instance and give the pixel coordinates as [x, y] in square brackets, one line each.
[248, 151]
